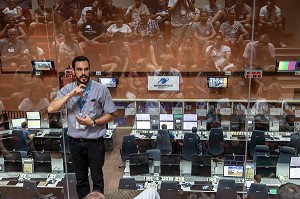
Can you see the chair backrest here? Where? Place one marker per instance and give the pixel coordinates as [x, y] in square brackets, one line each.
[163, 141]
[169, 190]
[260, 150]
[226, 189]
[285, 154]
[70, 186]
[129, 146]
[257, 190]
[127, 183]
[18, 141]
[190, 145]
[31, 190]
[154, 154]
[257, 138]
[295, 142]
[215, 146]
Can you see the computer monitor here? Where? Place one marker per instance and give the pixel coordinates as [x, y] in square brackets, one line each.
[17, 123]
[146, 125]
[142, 116]
[266, 166]
[217, 82]
[286, 66]
[190, 117]
[42, 161]
[234, 159]
[294, 168]
[201, 159]
[295, 162]
[170, 125]
[166, 117]
[4, 123]
[12, 161]
[109, 82]
[170, 165]
[139, 164]
[34, 124]
[42, 65]
[170, 159]
[201, 165]
[189, 125]
[33, 115]
[236, 171]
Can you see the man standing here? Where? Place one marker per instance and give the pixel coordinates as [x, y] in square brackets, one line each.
[89, 107]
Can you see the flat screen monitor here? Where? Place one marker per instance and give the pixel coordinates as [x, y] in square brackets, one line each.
[41, 156]
[139, 169]
[170, 169]
[34, 124]
[286, 66]
[17, 123]
[170, 125]
[266, 171]
[234, 160]
[201, 159]
[170, 159]
[138, 158]
[217, 82]
[33, 115]
[15, 166]
[143, 125]
[109, 82]
[236, 171]
[295, 162]
[142, 117]
[42, 161]
[42, 65]
[201, 170]
[189, 125]
[166, 117]
[267, 161]
[4, 123]
[190, 117]
[294, 172]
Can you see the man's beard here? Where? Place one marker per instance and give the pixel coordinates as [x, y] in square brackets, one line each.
[79, 81]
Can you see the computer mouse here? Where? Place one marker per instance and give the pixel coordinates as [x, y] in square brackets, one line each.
[39, 133]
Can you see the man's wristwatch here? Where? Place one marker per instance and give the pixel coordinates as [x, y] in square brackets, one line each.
[94, 123]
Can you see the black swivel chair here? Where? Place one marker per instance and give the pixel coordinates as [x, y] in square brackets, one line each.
[163, 141]
[19, 143]
[190, 145]
[169, 190]
[129, 146]
[226, 189]
[285, 154]
[154, 154]
[295, 142]
[215, 142]
[257, 138]
[31, 191]
[260, 150]
[258, 190]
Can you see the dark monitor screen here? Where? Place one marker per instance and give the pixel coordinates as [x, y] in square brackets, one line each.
[266, 172]
[139, 169]
[170, 159]
[204, 160]
[234, 160]
[109, 82]
[217, 82]
[138, 158]
[286, 66]
[42, 65]
[12, 156]
[4, 123]
[201, 170]
[267, 161]
[13, 166]
[41, 156]
[170, 169]
[44, 167]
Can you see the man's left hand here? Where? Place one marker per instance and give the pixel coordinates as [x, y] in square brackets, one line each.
[86, 120]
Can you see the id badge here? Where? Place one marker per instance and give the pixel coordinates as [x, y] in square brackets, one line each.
[80, 126]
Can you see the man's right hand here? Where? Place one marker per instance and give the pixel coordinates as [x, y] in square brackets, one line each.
[77, 91]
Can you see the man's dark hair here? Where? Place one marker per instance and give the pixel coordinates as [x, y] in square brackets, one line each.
[288, 191]
[24, 125]
[164, 126]
[79, 58]
[257, 178]
[90, 11]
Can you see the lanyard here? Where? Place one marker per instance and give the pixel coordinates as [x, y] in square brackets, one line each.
[82, 102]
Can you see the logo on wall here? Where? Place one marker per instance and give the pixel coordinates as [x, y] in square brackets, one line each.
[163, 83]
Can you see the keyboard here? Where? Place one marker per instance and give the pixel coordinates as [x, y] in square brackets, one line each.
[38, 179]
[54, 134]
[10, 179]
[33, 131]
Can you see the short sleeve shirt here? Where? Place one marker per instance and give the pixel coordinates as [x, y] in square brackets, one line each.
[135, 14]
[219, 55]
[92, 30]
[212, 10]
[150, 28]
[124, 29]
[180, 16]
[203, 31]
[98, 103]
[231, 32]
[15, 49]
[270, 16]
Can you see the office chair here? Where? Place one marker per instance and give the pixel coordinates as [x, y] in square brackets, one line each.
[154, 154]
[127, 183]
[295, 142]
[257, 138]
[258, 190]
[215, 140]
[260, 150]
[69, 185]
[163, 141]
[226, 189]
[169, 190]
[285, 154]
[129, 146]
[32, 191]
[19, 143]
[190, 146]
